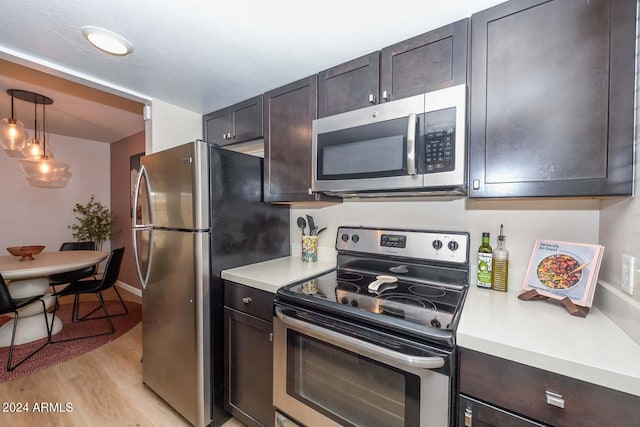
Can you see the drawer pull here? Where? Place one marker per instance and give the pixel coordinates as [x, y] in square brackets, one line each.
[246, 300]
[468, 417]
[554, 399]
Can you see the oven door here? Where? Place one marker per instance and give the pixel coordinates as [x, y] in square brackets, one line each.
[374, 148]
[329, 372]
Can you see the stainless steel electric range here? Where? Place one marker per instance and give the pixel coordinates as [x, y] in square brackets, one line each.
[373, 342]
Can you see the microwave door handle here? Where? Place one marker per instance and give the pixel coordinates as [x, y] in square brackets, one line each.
[411, 145]
[358, 346]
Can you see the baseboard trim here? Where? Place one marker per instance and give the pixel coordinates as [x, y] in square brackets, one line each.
[129, 288]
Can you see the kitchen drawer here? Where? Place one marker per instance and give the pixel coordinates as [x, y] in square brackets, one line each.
[473, 413]
[524, 390]
[255, 302]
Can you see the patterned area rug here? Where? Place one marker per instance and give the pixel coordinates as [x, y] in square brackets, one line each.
[54, 354]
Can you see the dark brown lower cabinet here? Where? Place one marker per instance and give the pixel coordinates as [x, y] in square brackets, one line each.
[248, 391]
[473, 413]
[500, 392]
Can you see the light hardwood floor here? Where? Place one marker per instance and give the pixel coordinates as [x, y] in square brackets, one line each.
[101, 388]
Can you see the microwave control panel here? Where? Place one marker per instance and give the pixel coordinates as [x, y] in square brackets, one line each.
[440, 140]
[440, 151]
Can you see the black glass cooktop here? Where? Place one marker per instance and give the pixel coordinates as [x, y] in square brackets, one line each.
[399, 302]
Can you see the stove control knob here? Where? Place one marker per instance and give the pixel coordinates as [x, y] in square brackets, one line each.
[345, 237]
[354, 303]
[453, 245]
[435, 323]
[437, 244]
[344, 300]
[355, 238]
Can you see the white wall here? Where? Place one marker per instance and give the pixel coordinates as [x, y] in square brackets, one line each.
[171, 126]
[40, 216]
[524, 222]
[620, 234]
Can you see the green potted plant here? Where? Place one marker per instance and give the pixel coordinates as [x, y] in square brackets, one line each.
[93, 222]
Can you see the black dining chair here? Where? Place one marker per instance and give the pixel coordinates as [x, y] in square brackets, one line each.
[71, 276]
[93, 286]
[11, 305]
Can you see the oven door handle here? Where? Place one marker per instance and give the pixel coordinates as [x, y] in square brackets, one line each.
[411, 145]
[360, 346]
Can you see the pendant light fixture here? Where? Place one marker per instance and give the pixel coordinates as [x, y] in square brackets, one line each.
[34, 148]
[13, 134]
[39, 166]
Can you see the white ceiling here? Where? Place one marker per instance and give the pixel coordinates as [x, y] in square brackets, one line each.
[197, 54]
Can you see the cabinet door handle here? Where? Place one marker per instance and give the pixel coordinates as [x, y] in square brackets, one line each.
[372, 98]
[385, 95]
[271, 337]
[468, 417]
[476, 184]
[554, 399]
[246, 300]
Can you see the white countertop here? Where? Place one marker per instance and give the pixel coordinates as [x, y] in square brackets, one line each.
[273, 274]
[544, 335]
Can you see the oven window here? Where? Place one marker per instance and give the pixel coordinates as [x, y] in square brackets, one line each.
[351, 389]
[370, 151]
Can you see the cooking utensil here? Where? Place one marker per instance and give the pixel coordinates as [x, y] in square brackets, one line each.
[575, 270]
[316, 232]
[380, 280]
[312, 225]
[302, 224]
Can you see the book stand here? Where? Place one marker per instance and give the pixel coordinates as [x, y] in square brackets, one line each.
[573, 309]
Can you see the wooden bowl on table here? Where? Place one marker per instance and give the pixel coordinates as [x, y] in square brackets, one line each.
[25, 253]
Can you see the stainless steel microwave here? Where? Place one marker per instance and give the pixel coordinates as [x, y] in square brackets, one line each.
[412, 146]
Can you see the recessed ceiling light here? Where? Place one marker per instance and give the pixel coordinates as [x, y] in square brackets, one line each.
[107, 41]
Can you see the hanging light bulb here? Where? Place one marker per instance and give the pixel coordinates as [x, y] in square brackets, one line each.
[12, 130]
[44, 169]
[39, 166]
[33, 149]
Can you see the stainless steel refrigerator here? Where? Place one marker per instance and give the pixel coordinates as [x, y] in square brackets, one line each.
[197, 210]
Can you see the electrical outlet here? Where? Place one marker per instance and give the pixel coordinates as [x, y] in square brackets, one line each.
[628, 271]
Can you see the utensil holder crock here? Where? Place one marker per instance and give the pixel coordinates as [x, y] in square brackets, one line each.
[309, 248]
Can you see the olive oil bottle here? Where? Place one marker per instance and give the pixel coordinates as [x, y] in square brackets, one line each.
[500, 267]
[485, 257]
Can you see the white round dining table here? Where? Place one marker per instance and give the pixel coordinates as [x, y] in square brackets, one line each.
[31, 277]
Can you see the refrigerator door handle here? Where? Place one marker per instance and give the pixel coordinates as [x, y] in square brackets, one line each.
[137, 228]
[136, 197]
[143, 276]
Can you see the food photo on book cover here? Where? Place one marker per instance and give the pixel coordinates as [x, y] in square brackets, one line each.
[564, 269]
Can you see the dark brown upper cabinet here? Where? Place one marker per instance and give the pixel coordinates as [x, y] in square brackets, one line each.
[239, 123]
[288, 114]
[552, 108]
[427, 62]
[349, 86]
[431, 61]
